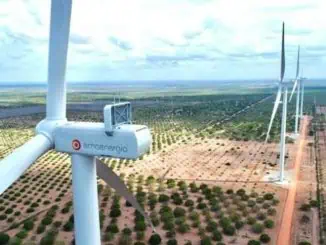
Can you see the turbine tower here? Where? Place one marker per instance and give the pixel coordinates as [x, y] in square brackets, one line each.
[302, 94]
[282, 89]
[116, 137]
[297, 85]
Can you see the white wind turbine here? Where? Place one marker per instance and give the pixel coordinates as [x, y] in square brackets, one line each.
[83, 140]
[282, 89]
[297, 85]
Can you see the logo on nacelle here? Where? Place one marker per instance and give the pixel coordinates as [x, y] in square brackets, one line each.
[76, 145]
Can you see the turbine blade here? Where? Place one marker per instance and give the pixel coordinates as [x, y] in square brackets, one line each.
[298, 63]
[293, 89]
[14, 165]
[58, 49]
[282, 56]
[276, 104]
[109, 177]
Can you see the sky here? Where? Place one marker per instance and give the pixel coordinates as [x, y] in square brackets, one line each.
[166, 39]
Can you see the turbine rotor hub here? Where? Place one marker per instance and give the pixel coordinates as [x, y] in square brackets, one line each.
[46, 127]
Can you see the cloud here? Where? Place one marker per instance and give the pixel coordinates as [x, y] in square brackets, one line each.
[77, 39]
[119, 43]
[161, 39]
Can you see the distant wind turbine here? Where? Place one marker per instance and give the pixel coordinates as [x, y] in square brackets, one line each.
[282, 89]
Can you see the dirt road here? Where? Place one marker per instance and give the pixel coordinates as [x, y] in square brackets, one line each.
[284, 237]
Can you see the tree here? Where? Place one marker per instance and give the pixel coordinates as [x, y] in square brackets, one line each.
[264, 238]
[229, 230]
[125, 240]
[269, 223]
[205, 241]
[28, 225]
[69, 226]
[217, 236]
[140, 226]
[116, 212]
[183, 228]
[155, 239]
[163, 198]
[126, 231]
[172, 242]
[253, 242]
[4, 238]
[257, 228]
[112, 228]
[179, 212]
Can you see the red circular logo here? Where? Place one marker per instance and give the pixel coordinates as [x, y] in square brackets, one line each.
[76, 145]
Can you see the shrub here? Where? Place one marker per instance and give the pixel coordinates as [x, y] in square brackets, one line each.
[22, 234]
[271, 211]
[179, 212]
[251, 220]
[229, 230]
[241, 192]
[170, 234]
[261, 216]
[9, 211]
[239, 224]
[224, 222]
[4, 238]
[125, 240]
[155, 239]
[28, 225]
[163, 198]
[109, 236]
[112, 228]
[69, 226]
[40, 229]
[217, 236]
[126, 231]
[251, 203]
[305, 207]
[169, 225]
[253, 242]
[257, 228]
[268, 196]
[114, 213]
[304, 243]
[47, 220]
[304, 219]
[269, 223]
[140, 226]
[57, 224]
[189, 203]
[201, 205]
[264, 238]
[183, 228]
[314, 203]
[172, 242]
[205, 241]
[211, 226]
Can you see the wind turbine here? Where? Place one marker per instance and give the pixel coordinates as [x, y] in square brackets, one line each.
[282, 89]
[297, 85]
[116, 137]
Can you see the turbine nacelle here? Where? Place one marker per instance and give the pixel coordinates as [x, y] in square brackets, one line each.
[127, 141]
